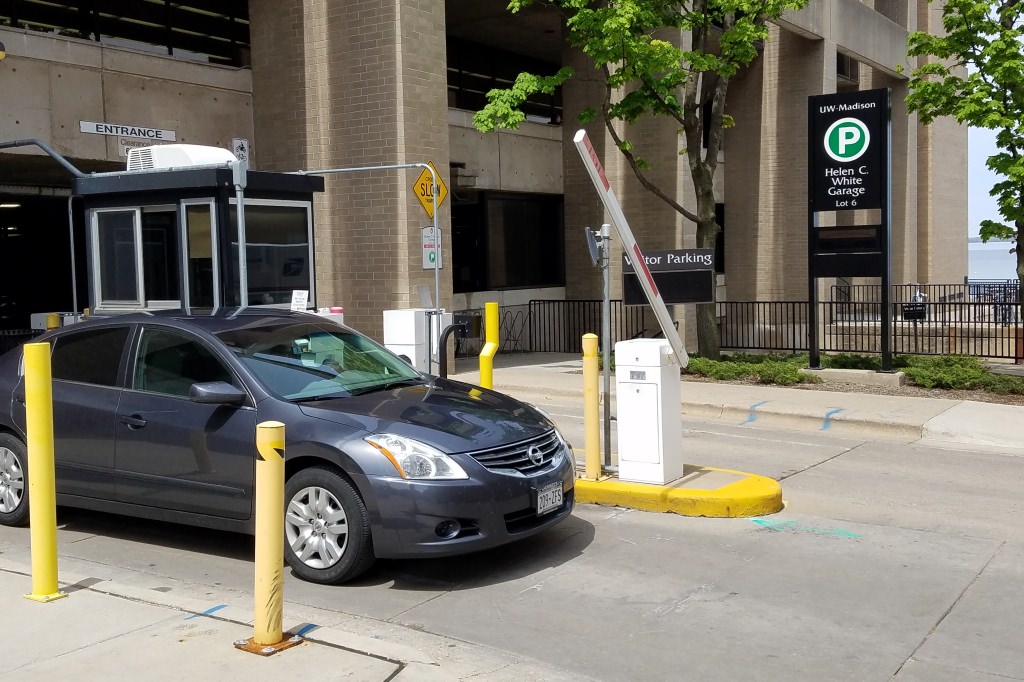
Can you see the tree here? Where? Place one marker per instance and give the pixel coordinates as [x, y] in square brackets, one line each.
[977, 76]
[633, 43]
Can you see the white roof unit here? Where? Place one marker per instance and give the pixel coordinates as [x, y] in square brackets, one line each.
[165, 156]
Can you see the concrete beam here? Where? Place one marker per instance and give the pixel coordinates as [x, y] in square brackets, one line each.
[857, 30]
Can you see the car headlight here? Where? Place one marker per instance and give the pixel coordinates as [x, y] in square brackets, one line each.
[414, 459]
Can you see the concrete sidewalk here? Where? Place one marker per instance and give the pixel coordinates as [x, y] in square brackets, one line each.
[856, 415]
[121, 623]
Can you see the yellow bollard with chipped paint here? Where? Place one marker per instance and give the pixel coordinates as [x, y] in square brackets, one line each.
[42, 494]
[269, 588]
[591, 408]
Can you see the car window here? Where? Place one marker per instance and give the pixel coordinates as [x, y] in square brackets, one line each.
[309, 361]
[90, 356]
[169, 363]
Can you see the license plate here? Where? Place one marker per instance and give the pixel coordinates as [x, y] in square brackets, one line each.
[549, 498]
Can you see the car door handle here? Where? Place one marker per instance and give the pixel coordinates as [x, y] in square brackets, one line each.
[134, 422]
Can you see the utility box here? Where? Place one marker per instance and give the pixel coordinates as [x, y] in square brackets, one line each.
[650, 427]
[405, 333]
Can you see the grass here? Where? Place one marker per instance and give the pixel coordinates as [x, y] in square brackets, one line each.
[959, 372]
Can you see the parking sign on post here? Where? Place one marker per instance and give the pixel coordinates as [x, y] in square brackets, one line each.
[431, 252]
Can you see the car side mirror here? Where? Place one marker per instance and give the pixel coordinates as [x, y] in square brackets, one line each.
[216, 393]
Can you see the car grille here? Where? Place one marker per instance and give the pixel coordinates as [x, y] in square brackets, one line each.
[516, 457]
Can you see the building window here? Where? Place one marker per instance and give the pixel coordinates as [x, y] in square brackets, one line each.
[508, 241]
[278, 248]
[474, 70]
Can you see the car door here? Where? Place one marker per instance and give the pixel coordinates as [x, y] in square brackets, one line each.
[86, 367]
[176, 454]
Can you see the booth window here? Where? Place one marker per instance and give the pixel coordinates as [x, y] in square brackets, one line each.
[119, 254]
[278, 245]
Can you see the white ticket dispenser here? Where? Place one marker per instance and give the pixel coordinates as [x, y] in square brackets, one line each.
[650, 430]
[405, 333]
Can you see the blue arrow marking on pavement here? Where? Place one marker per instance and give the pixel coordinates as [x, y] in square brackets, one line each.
[828, 415]
[207, 612]
[790, 526]
[752, 416]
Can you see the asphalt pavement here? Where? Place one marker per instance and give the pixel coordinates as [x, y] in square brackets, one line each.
[129, 624]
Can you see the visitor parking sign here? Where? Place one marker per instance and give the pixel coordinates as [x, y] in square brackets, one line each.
[849, 150]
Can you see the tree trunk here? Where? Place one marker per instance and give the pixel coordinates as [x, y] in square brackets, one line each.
[708, 345]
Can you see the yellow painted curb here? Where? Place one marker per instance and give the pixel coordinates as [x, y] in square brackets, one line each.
[750, 496]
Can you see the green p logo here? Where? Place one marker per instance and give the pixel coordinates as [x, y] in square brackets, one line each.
[847, 139]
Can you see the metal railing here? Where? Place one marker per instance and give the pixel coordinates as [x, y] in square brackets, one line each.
[956, 318]
[982, 328]
[559, 326]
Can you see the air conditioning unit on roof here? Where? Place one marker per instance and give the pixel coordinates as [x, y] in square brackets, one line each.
[164, 156]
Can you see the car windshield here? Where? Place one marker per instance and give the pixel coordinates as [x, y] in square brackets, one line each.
[308, 361]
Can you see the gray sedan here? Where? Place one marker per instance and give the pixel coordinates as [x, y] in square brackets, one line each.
[155, 416]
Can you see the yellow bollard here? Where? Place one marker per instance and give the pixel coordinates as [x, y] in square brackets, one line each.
[42, 495]
[52, 321]
[490, 348]
[591, 408]
[269, 589]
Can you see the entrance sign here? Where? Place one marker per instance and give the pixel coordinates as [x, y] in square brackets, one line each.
[423, 189]
[849, 167]
[604, 189]
[431, 251]
[849, 142]
[682, 276]
[155, 134]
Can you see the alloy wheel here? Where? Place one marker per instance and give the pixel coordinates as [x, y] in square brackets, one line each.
[12, 481]
[316, 527]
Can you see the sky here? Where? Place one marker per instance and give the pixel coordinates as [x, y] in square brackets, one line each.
[980, 206]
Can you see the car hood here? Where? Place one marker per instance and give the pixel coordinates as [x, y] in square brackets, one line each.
[450, 415]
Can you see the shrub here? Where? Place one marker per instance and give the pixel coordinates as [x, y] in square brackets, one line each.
[953, 371]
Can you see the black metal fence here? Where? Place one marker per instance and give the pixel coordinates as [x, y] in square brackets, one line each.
[553, 326]
[984, 328]
[558, 326]
[978, 318]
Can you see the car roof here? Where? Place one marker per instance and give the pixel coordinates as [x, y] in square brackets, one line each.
[212, 322]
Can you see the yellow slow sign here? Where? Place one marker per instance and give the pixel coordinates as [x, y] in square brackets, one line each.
[423, 190]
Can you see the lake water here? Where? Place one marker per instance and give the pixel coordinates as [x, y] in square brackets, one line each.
[991, 261]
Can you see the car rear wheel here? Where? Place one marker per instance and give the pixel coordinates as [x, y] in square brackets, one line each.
[13, 481]
[327, 527]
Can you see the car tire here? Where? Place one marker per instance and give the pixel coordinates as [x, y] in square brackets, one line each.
[13, 481]
[327, 527]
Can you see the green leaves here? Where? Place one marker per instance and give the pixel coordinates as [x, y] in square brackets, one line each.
[503, 107]
[652, 51]
[976, 75]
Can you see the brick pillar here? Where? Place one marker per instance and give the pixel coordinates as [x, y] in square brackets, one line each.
[766, 181]
[942, 186]
[347, 83]
[583, 206]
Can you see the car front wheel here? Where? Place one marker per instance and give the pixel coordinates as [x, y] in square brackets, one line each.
[327, 528]
[13, 481]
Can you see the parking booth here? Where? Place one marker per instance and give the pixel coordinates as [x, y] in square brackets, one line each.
[165, 233]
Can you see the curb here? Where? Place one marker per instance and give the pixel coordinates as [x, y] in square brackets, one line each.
[833, 421]
[837, 422]
[750, 495]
